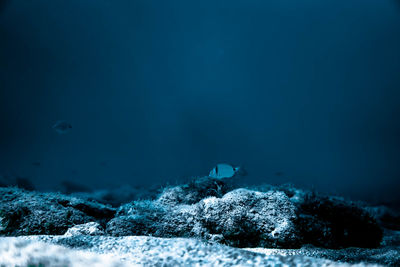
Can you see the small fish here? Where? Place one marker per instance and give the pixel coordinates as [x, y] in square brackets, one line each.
[62, 127]
[69, 187]
[224, 170]
[36, 163]
[103, 163]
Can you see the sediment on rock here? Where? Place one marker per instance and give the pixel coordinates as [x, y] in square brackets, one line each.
[34, 213]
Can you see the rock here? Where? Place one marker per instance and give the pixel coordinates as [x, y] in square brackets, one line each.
[391, 238]
[139, 251]
[388, 254]
[19, 252]
[194, 191]
[383, 256]
[387, 217]
[33, 213]
[296, 195]
[239, 218]
[206, 208]
[138, 218]
[248, 218]
[336, 223]
[91, 228]
[288, 216]
[330, 221]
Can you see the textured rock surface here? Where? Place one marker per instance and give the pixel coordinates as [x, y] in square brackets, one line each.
[388, 218]
[241, 218]
[196, 190]
[335, 223]
[388, 254]
[142, 251]
[247, 218]
[91, 228]
[25, 253]
[206, 208]
[27, 213]
[138, 218]
[331, 222]
[275, 216]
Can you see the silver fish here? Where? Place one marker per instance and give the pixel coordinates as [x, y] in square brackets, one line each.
[223, 170]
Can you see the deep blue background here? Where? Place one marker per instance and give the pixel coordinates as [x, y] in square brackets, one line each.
[161, 90]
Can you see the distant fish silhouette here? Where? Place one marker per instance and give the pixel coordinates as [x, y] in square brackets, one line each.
[103, 163]
[224, 170]
[69, 187]
[16, 181]
[62, 127]
[36, 163]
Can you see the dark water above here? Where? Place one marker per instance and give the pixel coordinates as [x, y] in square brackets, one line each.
[155, 91]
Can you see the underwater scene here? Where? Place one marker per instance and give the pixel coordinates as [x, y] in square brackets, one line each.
[199, 133]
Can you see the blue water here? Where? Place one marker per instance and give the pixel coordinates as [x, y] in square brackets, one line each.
[157, 91]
